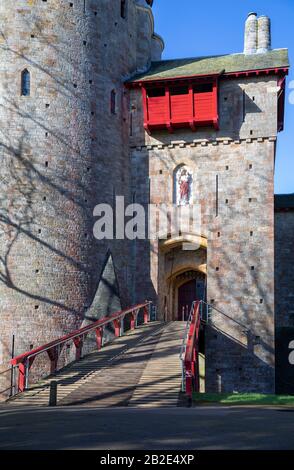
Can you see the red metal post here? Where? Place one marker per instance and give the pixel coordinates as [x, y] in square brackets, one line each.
[99, 337]
[23, 371]
[146, 314]
[133, 321]
[78, 344]
[24, 361]
[134, 318]
[53, 356]
[117, 327]
[189, 383]
[191, 357]
[21, 377]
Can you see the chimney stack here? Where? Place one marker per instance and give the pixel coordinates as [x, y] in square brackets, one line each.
[264, 34]
[257, 34]
[251, 28]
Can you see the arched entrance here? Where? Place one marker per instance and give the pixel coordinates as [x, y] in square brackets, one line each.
[181, 280]
[177, 266]
[191, 287]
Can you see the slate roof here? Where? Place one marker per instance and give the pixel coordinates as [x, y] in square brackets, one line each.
[230, 63]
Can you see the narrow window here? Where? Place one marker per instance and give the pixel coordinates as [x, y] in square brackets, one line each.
[113, 102]
[25, 83]
[123, 8]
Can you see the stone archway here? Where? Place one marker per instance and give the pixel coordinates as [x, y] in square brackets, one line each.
[176, 268]
[188, 286]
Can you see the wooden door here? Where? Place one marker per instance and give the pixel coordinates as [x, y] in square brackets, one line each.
[187, 295]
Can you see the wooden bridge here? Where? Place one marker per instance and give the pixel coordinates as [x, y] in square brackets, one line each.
[141, 368]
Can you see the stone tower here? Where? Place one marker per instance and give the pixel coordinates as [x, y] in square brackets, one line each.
[213, 122]
[64, 148]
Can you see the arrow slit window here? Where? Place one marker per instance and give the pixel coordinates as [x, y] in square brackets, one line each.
[25, 83]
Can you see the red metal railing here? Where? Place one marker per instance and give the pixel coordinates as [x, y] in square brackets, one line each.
[190, 350]
[25, 361]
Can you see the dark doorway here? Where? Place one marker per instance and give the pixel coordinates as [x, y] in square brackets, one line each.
[284, 366]
[194, 289]
[187, 294]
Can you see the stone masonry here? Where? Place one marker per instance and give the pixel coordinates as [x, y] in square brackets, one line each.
[240, 238]
[284, 291]
[78, 140]
[63, 151]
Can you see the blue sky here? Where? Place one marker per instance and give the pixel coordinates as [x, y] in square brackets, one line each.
[192, 27]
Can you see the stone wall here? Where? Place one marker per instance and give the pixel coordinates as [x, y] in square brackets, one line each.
[240, 237]
[284, 294]
[284, 267]
[62, 152]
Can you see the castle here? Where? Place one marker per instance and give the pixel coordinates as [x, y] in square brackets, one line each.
[89, 112]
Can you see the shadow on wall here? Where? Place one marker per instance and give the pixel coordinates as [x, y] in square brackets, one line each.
[249, 368]
[237, 368]
[143, 262]
[242, 286]
[24, 177]
[49, 260]
[21, 183]
[106, 301]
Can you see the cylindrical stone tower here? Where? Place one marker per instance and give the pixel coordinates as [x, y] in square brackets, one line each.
[63, 148]
[264, 34]
[250, 40]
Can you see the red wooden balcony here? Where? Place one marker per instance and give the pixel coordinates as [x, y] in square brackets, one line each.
[172, 106]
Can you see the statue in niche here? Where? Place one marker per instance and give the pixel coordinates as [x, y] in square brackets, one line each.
[184, 181]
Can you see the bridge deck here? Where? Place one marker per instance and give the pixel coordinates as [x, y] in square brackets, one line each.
[141, 368]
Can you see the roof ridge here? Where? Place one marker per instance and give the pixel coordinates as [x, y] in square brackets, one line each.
[218, 55]
[209, 65]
